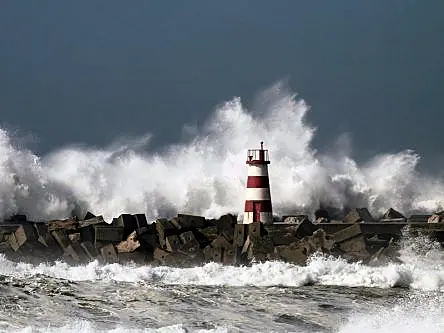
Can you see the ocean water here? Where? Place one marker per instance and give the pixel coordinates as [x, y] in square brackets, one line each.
[326, 295]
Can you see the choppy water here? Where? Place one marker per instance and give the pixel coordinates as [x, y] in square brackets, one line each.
[328, 295]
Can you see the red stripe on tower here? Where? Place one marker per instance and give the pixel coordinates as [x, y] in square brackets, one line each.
[264, 206]
[258, 199]
[258, 182]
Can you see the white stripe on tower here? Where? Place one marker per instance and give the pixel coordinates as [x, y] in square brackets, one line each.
[258, 170]
[258, 194]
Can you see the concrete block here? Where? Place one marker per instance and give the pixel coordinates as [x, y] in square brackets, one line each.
[358, 215]
[5, 246]
[75, 237]
[86, 228]
[229, 256]
[216, 254]
[295, 253]
[208, 253]
[87, 234]
[322, 214]
[128, 222]
[191, 247]
[347, 233]
[188, 237]
[68, 224]
[109, 254]
[260, 248]
[148, 229]
[71, 254]
[185, 221]
[246, 246]
[220, 242]
[283, 238]
[240, 234]
[129, 245]
[225, 226]
[304, 228]
[43, 235]
[223, 251]
[18, 218]
[321, 220]
[88, 215]
[172, 243]
[239, 258]
[8, 228]
[299, 251]
[89, 250]
[13, 243]
[92, 221]
[165, 228]
[386, 254]
[25, 233]
[294, 219]
[436, 218]
[160, 255]
[108, 234]
[255, 230]
[135, 257]
[61, 238]
[419, 218]
[320, 241]
[190, 253]
[149, 241]
[206, 235]
[391, 214]
[356, 244]
[141, 221]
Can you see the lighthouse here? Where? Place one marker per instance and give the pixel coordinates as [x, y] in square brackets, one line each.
[258, 198]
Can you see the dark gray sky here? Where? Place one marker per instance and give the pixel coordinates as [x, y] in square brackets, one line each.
[91, 71]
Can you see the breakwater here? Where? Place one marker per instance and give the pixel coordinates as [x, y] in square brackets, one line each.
[188, 240]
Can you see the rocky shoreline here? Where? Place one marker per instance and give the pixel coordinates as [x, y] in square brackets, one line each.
[188, 240]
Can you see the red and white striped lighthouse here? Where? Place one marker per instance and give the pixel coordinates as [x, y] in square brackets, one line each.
[258, 198]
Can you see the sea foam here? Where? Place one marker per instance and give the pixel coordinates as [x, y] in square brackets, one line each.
[418, 271]
[420, 313]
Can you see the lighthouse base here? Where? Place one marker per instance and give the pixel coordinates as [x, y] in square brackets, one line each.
[264, 217]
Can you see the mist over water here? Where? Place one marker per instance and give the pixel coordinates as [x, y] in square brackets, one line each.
[206, 175]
